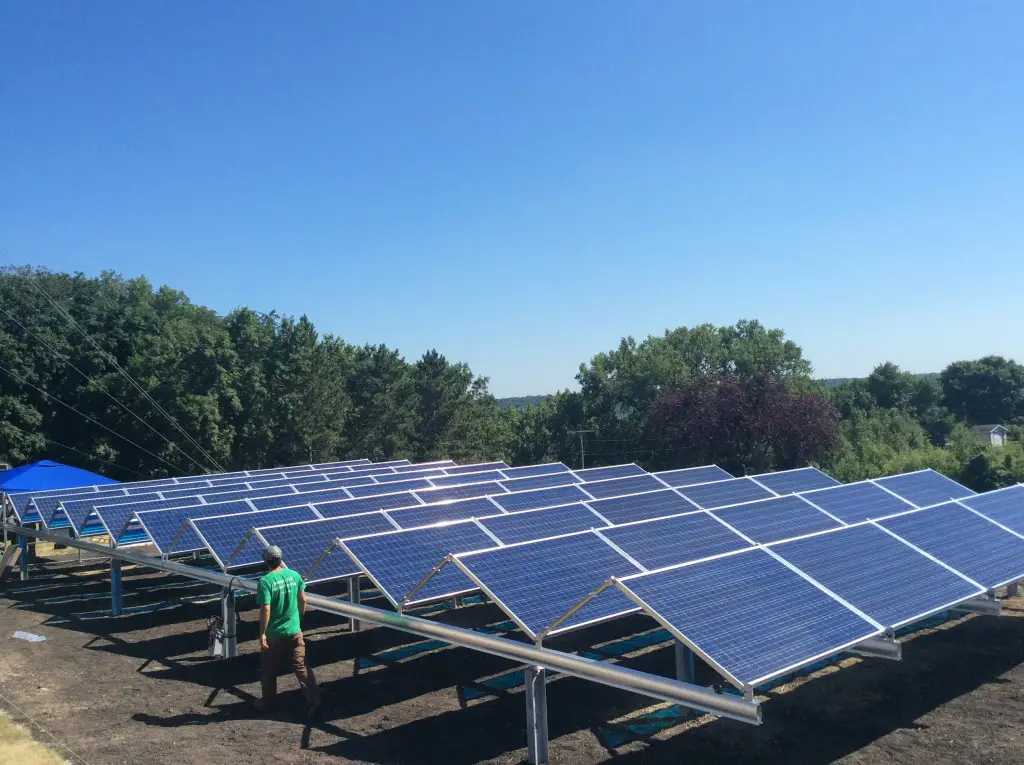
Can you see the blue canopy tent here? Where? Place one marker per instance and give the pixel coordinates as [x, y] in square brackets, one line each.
[46, 475]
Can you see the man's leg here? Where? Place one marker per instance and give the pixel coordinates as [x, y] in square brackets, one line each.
[307, 682]
[270, 662]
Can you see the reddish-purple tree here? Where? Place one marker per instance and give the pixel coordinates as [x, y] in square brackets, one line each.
[742, 425]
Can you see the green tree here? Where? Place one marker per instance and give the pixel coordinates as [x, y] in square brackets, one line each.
[988, 390]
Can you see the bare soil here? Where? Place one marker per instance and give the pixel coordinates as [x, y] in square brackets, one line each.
[141, 689]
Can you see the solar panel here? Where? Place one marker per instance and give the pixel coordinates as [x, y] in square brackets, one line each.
[304, 498]
[722, 493]
[366, 504]
[398, 561]
[1005, 506]
[231, 496]
[223, 534]
[619, 487]
[393, 477]
[967, 542]
[612, 471]
[163, 526]
[750, 614]
[855, 502]
[540, 481]
[695, 475]
[792, 481]
[304, 543]
[463, 478]
[883, 577]
[192, 491]
[460, 492]
[770, 520]
[925, 487]
[538, 582]
[48, 506]
[535, 470]
[531, 500]
[116, 517]
[459, 470]
[640, 507]
[78, 510]
[403, 466]
[372, 490]
[670, 541]
[459, 510]
[529, 525]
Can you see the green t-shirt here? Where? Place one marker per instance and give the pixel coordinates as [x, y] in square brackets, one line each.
[280, 590]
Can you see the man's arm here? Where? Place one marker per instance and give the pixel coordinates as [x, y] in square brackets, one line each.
[264, 621]
[302, 603]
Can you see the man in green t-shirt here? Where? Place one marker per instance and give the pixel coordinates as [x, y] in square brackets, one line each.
[281, 596]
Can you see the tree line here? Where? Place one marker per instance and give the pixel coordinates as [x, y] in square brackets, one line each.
[114, 375]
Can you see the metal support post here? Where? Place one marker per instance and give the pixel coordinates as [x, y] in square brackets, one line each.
[229, 623]
[684, 663]
[460, 601]
[881, 647]
[986, 606]
[23, 557]
[116, 588]
[1012, 590]
[536, 716]
[353, 596]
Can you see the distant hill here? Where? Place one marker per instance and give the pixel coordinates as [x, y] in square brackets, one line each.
[520, 402]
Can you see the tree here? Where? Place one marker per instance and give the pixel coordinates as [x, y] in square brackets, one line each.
[751, 425]
[989, 390]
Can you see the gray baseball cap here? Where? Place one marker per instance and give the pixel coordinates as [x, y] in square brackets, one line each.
[271, 554]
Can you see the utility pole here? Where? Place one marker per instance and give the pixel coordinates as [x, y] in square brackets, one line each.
[583, 459]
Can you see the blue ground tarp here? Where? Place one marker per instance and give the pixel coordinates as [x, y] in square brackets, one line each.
[44, 475]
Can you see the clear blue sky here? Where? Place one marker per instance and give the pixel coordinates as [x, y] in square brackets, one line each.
[520, 184]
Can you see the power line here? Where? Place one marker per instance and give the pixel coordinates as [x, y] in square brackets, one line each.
[120, 369]
[109, 395]
[73, 449]
[91, 419]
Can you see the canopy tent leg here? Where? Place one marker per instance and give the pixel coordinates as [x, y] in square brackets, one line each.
[116, 588]
[353, 596]
[536, 716]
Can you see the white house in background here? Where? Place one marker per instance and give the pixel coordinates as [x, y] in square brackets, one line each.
[995, 435]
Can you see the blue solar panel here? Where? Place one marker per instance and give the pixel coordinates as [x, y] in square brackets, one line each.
[399, 561]
[792, 481]
[967, 542]
[304, 498]
[691, 476]
[612, 471]
[116, 517]
[620, 487]
[403, 466]
[459, 470]
[231, 496]
[528, 525]
[223, 534]
[770, 520]
[534, 470]
[47, 506]
[538, 582]
[163, 525]
[883, 577]
[1005, 506]
[460, 510]
[856, 502]
[463, 478]
[79, 509]
[722, 493]
[925, 487]
[531, 500]
[670, 541]
[304, 543]
[545, 481]
[366, 504]
[460, 492]
[641, 507]
[393, 477]
[372, 490]
[750, 614]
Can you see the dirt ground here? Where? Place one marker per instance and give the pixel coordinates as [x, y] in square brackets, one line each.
[140, 688]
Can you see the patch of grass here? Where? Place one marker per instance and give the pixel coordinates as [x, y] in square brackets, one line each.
[17, 747]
